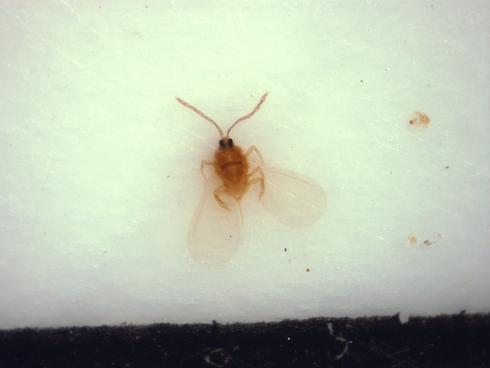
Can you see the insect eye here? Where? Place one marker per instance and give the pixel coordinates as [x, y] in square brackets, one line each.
[230, 142]
[221, 143]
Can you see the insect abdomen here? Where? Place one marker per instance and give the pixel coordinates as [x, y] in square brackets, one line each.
[232, 166]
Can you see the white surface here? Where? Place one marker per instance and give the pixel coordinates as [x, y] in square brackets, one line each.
[99, 166]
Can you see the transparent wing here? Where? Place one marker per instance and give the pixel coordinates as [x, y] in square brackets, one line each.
[214, 234]
[292, 199]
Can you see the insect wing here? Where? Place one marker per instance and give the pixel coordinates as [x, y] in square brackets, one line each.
[292, 199]
[215, 232]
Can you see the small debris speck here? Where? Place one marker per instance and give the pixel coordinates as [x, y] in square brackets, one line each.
[419, 119]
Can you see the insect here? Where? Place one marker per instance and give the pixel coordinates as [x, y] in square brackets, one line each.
[294, 200]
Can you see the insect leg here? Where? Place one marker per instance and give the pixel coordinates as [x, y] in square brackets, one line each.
[218, 199]
[204, 162]
[258, 169]
[241, 212]
[260, 180]
[252, 149]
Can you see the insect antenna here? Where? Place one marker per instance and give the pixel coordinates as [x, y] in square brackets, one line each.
[262, 99]
[201, 114]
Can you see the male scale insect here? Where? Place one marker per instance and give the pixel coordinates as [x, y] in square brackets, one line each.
[293, 200]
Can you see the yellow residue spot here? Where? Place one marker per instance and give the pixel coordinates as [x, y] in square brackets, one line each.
[412, 239]
[419, 119]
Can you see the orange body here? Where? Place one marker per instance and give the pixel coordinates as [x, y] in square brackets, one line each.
[231, 166]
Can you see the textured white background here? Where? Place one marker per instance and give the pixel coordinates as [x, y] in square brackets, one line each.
[99, 165]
